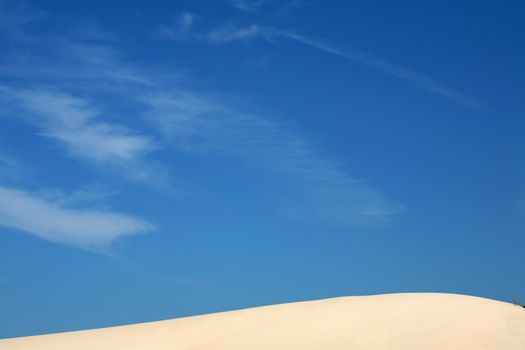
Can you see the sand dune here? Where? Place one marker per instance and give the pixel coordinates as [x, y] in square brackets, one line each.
[422, 321]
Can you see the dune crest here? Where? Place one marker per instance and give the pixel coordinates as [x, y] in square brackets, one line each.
[419, 321]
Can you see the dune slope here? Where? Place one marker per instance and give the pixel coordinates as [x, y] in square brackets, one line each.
[392, 321]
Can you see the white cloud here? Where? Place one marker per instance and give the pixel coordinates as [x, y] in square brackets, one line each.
[16, 15]
[7, 162]
[87, 195]
[387, 67]
[96, 63]
[9, 168]
[89, 229]
[324, 192]
[66, 64]
[227, 33]
[193, 123]
[73, 122]
[247, 5]
[75, 112]
[277, 8]
[181, 30]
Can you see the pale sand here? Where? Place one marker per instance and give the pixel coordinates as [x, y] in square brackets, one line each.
[418, 321]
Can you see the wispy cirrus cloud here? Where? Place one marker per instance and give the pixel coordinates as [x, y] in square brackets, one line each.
[182, 28]
[326, 193]
[16, 14]
[86, 133]
[5, 162]
[190, 122]
[267, 8]
[52, 221]
[94, 194]
[247, 5]
[74, 122]
[228, 33]
[380, 64]
[39, 90]
[65, 61]
[9, 168]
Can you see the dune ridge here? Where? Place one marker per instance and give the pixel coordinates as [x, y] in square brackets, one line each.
[405, 321]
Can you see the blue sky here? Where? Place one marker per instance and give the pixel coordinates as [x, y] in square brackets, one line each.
[165, 159]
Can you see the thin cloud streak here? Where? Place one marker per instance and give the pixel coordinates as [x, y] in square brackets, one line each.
[229, 33]
[48, 220]
[15, 16]
[73, 122]
[326, 193]
[385, 66]
[190, 122]
[61, 96]
[9, 168]
[247, 5]
[85, 134]
[182, 28]
[266, 7]
[7, 163]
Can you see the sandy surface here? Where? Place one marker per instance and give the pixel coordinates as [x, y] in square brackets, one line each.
[422, 321]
